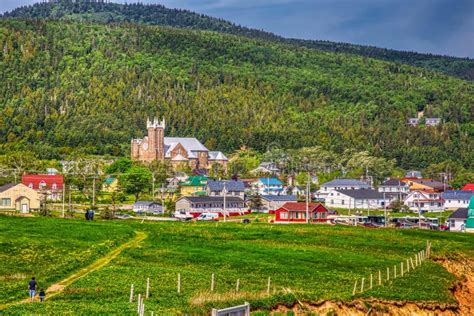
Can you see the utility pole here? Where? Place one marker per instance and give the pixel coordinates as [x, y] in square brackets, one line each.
[93, 191]
[419, 209]
[307, 200]
[64, 197]
[384, 209]
[224, 190]
[153, 188]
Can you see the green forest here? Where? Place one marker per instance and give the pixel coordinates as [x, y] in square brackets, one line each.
[94, 11]
[72, 87]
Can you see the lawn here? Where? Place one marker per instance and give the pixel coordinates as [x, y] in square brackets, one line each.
[306, 263]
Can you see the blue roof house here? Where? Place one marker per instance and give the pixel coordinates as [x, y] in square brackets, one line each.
[269, 186]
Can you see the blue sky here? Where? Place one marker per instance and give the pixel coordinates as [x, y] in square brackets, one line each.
[434, 26]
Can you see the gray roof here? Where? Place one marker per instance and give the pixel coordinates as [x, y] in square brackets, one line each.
[217, 155]
[432, 183]
[230, 185]
[393, 183]
[205, 199]
[191, 145]
[146, 203]
[362, 194]
[6, 186]
[457, 195]
[345, 182]
[460, 213]
[290, 198]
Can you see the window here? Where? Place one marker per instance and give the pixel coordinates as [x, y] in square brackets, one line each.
[284, 215]
[342, 202]
[5, 202]
[42, 185]
[30, 185]
[54, 186]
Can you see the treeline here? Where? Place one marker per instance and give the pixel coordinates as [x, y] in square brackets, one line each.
[87, 11]
[74, 88]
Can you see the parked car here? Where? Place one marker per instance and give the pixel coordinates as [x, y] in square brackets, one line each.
[183, 216]
[208, 217]
[123, 216]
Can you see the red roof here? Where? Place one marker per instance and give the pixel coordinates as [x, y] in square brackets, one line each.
[43, 181]
[468, 187]
[301, 207]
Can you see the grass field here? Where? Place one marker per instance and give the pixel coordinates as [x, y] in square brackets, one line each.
[306, 263]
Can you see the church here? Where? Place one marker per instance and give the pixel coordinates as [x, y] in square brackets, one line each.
[178, 150]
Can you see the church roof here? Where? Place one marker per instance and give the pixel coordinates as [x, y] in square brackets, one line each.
[190, 144]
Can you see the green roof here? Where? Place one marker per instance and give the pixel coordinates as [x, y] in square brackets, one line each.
[110, 180]
[195, 181]
[200, 193]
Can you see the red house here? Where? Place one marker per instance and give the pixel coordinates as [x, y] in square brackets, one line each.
[468, 187]
[52, 185]
[295, 212]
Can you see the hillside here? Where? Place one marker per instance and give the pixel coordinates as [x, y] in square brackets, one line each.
[89, 87]
[159, 15]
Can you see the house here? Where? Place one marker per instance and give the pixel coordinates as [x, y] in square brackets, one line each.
[413, 121]
[232, 188]
[147, 207]
[357, 199]
[295, 212]
[394, 189]
[110, 185]
[193, 185]
[272, 202]
[266, 168]
[47, 185]
[424, 201]
[340, 184]
[52, 171]
[295, 190]
[428, 185]
[180, 151]
[413, 174]
[457, 220]
[248, 185]
[19, 197]
[456, 198]
[268, 186]
[432, 121]
[468, 187]
[200, 204]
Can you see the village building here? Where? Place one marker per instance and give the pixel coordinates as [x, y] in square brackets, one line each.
[230, 187]
[268, 186]
[194, 185]
[180, 151]
[395, 189]
[295, 190]
[428, 185]
[357, 199]
[340, 184]
[147, 207]
[110, 185]
[49, 186]
[213, 204]
[454, 199]
[272, 202]
[413, 174]
[457, 220]
[295, 212]
[468, 187]
[424, 201]
[18, 197]
[266, 168]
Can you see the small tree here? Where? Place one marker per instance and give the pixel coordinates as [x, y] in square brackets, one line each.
[398, 206]
[256, 202]
[136, 180]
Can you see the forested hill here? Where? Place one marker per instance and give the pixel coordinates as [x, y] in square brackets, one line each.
[69, 86]
[159, 15]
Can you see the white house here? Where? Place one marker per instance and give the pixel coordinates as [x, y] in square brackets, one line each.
[457, 220]
[147, 207]
[273, 202]
[454, 199]
[268, 186]
[357, 199]
[340, 184]
[424, 201]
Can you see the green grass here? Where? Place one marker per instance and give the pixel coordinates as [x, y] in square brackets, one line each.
[316, 262]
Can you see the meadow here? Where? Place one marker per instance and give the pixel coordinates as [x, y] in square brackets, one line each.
[306, 263]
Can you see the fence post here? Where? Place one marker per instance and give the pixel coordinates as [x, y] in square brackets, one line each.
[395, 271]
[268, 285]
[380, 277]
[362, 285]
[412, 265]
[147, 288]
[139, 303]
[179, 283]
[408, 266]
[388, 273]
[371, 281]
[212, 282]
[401, 268]
[355, 287]
[237, 285]
[416, 260]
[131, 293]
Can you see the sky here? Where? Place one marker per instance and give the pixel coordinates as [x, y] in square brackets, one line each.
[430, 26]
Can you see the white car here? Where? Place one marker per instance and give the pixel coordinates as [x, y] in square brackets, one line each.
[183, 216]
[208, 217]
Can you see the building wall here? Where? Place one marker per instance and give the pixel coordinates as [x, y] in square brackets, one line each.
[183, 205]
[17, 191]
[346, 202]
[455, 203]
[456, 224]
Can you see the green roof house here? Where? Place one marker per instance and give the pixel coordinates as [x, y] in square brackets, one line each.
[470, 216]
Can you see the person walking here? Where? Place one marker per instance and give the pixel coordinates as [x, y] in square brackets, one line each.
[42, 295]
[32, 288]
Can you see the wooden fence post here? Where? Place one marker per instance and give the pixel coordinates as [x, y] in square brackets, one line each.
[147, 294]
[401, 268]
[395, 271]
[408, 266]
[237, 285]
[388, 273]
[355, 287]
[131, 293]
[268, 285]
[416, 260]
[362, 285]
[212, 283]
[380, 277]
[139, 302]
[412, 265]
[179, 283]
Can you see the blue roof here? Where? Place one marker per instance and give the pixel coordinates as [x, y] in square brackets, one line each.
[457, 194]
[290, 198]
[270, 181]
[231, 185]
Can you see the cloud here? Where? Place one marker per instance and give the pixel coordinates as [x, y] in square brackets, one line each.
[435, 26]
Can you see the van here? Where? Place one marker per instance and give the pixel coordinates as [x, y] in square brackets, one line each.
[208, 217]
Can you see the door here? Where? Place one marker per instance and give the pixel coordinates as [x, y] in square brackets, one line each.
[25, 208]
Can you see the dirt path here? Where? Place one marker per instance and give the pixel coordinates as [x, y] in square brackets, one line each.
[57, 288]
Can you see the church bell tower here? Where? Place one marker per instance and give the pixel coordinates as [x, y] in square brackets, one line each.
[156, 138]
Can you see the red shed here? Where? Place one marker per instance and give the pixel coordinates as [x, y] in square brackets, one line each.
[295, 212]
